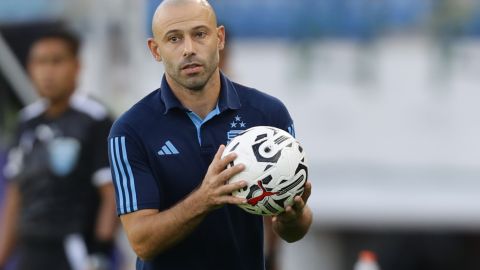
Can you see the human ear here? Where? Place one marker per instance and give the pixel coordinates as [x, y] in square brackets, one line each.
[154, 50]
[221, 37]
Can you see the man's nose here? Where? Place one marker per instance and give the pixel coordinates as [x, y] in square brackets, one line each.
[188, 47]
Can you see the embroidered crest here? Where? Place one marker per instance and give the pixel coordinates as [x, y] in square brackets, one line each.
[237, 126]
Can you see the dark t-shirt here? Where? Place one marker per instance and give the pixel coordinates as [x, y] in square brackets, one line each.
[57, 164]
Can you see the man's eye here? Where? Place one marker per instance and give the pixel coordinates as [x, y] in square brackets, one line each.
[173, 39]
[201, 34]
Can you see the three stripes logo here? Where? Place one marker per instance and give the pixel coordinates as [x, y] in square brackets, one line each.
[123, 175]
[168, 149]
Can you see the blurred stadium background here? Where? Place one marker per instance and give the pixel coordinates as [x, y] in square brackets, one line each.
[384, 94]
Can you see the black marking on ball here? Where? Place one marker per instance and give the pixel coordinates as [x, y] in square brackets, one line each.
[303, 159]
[283, 181]
[243, 132]
[261, 136]
[267, 167]
[281, 202]
[252, 211]
[300, 149]
[292, 185]
[252, 190]
[270, 208]
[302, 167]
[267, 180]
[267, 149]
[232, 164]
[281, 139]
[289, 145]
[234, 147]
[260, 158]
[274, 131]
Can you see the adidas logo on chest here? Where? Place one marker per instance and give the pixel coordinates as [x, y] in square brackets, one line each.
[168, 149]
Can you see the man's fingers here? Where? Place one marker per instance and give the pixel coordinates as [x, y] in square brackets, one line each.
[288, 215]
[219, 153]
[298, 203]
[220, 165]
[230, 172]
[307, 191]
[233, 200]
[291, 212]
[229, 188]
[216, 166]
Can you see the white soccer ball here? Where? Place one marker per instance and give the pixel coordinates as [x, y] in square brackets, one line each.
[275, 169]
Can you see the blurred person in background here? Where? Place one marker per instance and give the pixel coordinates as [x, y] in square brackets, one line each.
[174, 203]
[59, 208]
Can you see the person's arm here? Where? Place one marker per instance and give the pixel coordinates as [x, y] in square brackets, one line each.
[107, 219]
[8, 224]
[151, 232]
[105, 227]
[294, 223]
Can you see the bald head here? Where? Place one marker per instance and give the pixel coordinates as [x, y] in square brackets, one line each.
[183, 2]
[187, 40]
[172, 11]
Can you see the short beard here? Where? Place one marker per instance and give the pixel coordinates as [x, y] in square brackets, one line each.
[196, 86]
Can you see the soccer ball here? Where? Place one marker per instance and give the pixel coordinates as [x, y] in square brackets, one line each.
[275, 169]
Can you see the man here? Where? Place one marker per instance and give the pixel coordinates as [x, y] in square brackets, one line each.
[60, 197]
[170, 180]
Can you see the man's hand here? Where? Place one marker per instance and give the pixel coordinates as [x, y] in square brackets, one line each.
[151, 232]
[294, 223]
[214, 190]
[294, 212]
